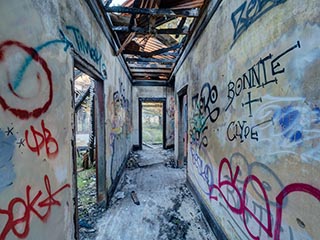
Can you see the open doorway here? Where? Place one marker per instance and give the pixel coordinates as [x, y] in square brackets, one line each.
[152, 122]
[182, 127]
[89, 149]
[85, 136]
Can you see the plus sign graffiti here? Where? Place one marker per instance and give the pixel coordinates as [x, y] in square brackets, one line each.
[265, 72]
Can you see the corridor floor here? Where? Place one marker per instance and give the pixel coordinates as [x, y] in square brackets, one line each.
[166, 208]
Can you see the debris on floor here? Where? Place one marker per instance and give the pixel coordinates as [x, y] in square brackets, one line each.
[133, 161]
[135, 198]
[167, 209]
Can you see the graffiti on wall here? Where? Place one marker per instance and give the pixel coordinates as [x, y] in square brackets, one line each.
[26, 95]
[294, 128]
[37, 205]
[88, 49]
[204, 109]
[121, 126]
[250, 11]
[232, 187]
[265, 72]
[42, 139]
[13, 98]
[170, 113]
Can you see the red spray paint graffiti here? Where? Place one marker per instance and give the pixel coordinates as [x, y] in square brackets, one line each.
[227, 183]
[32, 205]
[33, 55]
[242, 209]
[295, 187]
[42, 139]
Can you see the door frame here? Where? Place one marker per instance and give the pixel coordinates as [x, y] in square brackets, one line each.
[99, 124]
[181, 142]
[164, 119]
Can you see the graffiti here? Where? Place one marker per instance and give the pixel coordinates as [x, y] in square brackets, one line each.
[257, 77]
[204, 109]
[120, 125]
[20, 143]
[316, 112]
[289, 118]
[7, 146]
[37, 205]
[9, 131]
[42, 139]
[85, 47]
[241, 130]
[170, 110]
[293, 122]
[10, 51]
[170, 113]
[236, 198]
[19, 112]
[250, 11]
[292, 188]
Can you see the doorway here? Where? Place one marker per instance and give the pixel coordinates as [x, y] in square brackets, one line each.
[183, 127]
[88, 145]
[85, 145]
[152, 122]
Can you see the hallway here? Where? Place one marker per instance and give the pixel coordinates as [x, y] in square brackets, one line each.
[231, 86]
[167, 209]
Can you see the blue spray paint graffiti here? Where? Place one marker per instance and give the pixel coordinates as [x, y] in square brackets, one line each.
[84, 46]
[7, 146]
[63, 40]
[250, 11]
[289, 118]
[316, 111]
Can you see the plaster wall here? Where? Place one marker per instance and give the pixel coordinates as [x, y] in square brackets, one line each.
[254, 115]
[36, 67]
[154, 92]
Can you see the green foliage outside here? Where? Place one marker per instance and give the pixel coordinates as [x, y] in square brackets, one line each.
[152, 123]
[152, 133]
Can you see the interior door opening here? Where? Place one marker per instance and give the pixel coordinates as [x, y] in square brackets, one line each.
[182, 128]
[85, 138]
[152, 123]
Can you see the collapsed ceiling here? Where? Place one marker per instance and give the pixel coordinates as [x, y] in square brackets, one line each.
[152, 35]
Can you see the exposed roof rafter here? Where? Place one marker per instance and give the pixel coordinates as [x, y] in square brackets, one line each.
[154, 11]
[140, 30]
[151, 35]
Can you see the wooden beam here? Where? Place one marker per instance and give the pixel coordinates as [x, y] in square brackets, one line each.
[146, 70]
[181, 24]
[150, 60]
[149, 54]
[154, 11]
[125, 43]
[156, 52]
[140, 30]
[150, 75]
[151, 65]
[150, 83]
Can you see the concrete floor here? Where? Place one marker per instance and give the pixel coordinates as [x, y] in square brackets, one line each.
[167, 209]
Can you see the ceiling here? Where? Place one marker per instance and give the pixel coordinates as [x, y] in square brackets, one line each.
[153, 36]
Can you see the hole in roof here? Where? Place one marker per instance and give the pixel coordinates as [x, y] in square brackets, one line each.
[114, 2]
